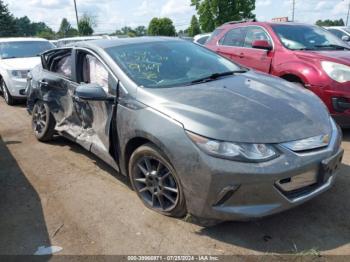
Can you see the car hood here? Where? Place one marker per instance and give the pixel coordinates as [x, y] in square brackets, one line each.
[26, 63]
[251, 108]
[337, 56]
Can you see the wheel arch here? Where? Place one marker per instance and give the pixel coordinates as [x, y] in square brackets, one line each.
[140, 138]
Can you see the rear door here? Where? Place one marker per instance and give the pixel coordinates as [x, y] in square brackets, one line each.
[257, 58]
[231, 44]
[57, 86]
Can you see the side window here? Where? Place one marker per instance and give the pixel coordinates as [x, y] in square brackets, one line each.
[94, 72]
[59, 61]
[234, 37]
[338, 33]
[255, 33]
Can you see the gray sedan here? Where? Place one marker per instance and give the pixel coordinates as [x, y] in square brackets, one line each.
[194, 132]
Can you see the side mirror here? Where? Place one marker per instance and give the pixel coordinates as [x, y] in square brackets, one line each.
[345, 38]
[91, 92]
[262, 44]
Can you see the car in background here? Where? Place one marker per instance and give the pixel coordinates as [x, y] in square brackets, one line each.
[343, 32]
[17, 57]
[193, 131]
[201, 39]
[307, 55]
[71, 40]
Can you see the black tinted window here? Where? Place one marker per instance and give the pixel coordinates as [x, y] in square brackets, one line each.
[234, 37]
[23, 49]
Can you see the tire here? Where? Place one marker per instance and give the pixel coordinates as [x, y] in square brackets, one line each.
[6, 94]
[43, 122]
[156, 183]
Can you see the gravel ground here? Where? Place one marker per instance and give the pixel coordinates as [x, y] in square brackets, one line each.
[57, 194]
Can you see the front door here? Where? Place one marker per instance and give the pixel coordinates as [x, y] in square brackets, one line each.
[257, 58]
[97, 117]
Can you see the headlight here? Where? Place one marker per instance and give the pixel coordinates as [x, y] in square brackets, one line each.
[338, 72]
[235, 151]
[19, 73]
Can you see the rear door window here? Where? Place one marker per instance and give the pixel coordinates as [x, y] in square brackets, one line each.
[234, 37]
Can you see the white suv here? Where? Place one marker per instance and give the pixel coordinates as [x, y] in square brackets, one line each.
[17, 57]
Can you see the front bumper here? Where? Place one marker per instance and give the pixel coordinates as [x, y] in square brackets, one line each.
[16, 87]
[228, 190]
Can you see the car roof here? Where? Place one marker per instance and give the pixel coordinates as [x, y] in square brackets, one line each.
[237, 24]
[22, 39]
[80, 38]
[107, 43]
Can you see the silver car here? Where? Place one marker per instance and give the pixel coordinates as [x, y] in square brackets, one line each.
[194, 132]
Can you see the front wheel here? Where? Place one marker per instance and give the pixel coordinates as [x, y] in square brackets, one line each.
[7, 96]
[156, 182]
[43, 123]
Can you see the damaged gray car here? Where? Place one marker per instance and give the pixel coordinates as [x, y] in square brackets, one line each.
[194, 132]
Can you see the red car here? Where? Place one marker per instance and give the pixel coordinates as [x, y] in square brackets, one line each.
[300, 53]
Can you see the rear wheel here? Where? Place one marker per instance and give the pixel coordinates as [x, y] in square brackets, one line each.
[6, 94]
[43, 123]
[156, 182]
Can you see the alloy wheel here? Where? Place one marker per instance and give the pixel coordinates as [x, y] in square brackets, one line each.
[156, 184]
[4, 91]
[39, 118]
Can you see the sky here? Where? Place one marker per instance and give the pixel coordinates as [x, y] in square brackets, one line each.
[114, 14]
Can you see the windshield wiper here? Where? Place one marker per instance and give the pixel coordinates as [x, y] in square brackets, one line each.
[339, 47]
[216, 76]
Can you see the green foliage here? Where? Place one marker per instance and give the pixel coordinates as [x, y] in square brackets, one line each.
[161, 27]
[65, 28]
[140, 30]
[86, 24]
[329, 22]
[194, 28]
[7, 22]
[213, 13]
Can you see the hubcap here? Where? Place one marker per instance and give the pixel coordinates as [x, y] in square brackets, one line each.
[39, 119]
[156, 184]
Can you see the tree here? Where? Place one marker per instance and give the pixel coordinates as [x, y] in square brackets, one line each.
[194, 28]
[7, 22]
[24, 26]
[161, 27]
[65, 28]
[140, 30]
[86, 24]
[213, 13]
[329, 22]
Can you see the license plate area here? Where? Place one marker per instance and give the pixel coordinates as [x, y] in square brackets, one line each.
[303, 180]
[330, 166]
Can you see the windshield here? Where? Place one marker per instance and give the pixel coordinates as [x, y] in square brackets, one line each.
[307, 37]
[166, 64]
[23, 49]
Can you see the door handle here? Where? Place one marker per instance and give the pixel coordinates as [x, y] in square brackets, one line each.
[241, 55]
[43, 83]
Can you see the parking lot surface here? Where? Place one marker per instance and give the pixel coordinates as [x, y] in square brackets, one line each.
[57, 194]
